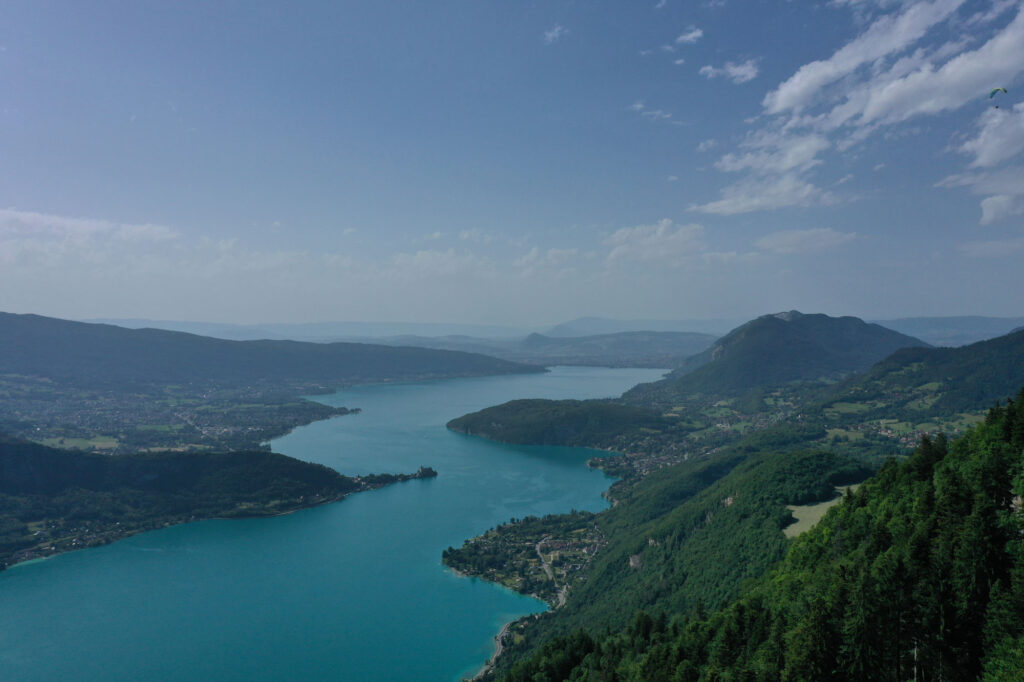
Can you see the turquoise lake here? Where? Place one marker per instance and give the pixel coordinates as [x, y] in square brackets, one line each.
[348, 591]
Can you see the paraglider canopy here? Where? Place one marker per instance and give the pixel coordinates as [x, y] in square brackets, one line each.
[994, 91]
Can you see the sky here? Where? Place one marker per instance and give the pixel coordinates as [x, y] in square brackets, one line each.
[521, 163]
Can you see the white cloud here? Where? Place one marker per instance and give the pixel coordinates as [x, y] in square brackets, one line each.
[536, 258]
[1000, 206]
[554, 34]
[661, 3]
[475, 235]
[651, 114]
[1003, 190]
[672, 178]
[662, 242]
[776, 152]
[804, 241]
[706, 145]
[994, 12]
[656, 114]
[887, 35]
[29, 239]
[765, 193]
[679, 62]
[690, 36]
[432, 262]
[737, 73]
[930, 88]
[877, 80]
[1000, 138]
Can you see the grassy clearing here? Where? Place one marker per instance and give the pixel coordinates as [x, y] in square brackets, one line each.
[96, 443]
[850, 434]
[809, 514]
[850, 408]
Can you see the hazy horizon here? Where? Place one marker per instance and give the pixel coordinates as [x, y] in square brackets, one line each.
[514, 165]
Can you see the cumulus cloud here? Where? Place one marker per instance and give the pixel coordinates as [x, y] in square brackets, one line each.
[536, 259]
[29, 239]
[897, 68]
[776, 152]
[804, 241]
[887, 35]
[663, 242]
[738, 73]
[690, 36]
[929, 90]
[1000, 206]
[475, 235]
[554, 34]
[1002, 188]
[1000, 138]
[764, 194]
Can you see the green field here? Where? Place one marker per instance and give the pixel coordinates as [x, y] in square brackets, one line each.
[809, 514]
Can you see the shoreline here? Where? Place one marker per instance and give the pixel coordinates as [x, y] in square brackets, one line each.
[499, 646]
[114, 534]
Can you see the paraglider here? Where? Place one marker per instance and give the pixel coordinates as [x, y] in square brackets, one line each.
[994, 92]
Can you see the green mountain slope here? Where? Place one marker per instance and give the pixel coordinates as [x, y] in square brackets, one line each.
[917, 575]
[690, 536]
[939, 380]
[773, 350]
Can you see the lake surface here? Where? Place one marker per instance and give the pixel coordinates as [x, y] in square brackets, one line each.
[351, 591]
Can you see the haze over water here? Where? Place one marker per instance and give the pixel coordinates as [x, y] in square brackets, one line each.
[353, 590]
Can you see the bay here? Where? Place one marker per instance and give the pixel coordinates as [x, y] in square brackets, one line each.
[353, 590]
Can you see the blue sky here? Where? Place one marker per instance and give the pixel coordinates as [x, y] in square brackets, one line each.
[511, 162]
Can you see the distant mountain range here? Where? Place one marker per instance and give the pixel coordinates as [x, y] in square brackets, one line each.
[590, 326]
[318, 331]
[78, 353]
[953, 331]
[623, 349]
[937, 331]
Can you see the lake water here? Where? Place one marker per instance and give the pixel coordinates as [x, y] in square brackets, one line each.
[348, 591]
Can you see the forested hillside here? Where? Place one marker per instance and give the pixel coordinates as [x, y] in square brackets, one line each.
[593, 423]
[56, 500]
[917, 575]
